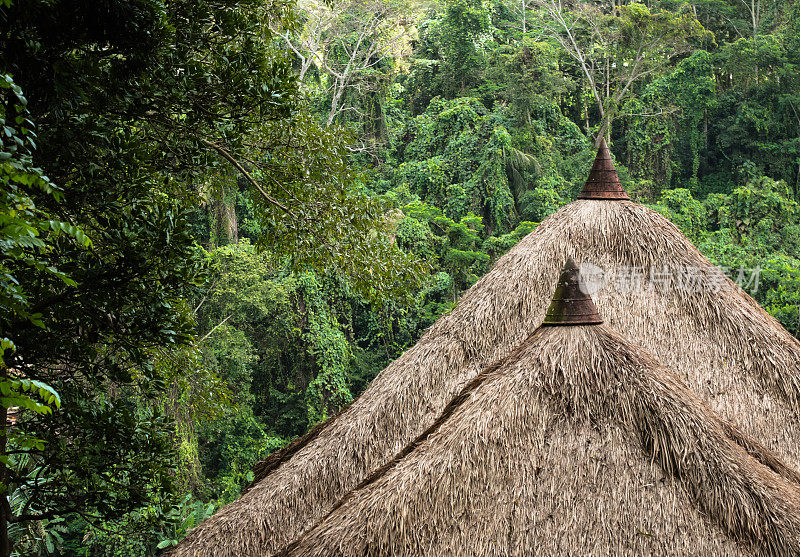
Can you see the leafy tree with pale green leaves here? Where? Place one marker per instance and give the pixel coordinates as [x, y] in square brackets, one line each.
[615, 48]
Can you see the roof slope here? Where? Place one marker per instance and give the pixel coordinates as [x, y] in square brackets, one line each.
[726, 347]
[544, 451]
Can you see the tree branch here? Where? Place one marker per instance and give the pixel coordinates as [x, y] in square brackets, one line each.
[227, 156]
[217, 326]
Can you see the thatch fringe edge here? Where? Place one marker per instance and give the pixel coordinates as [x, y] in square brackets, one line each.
[759, 452]
[273, 461]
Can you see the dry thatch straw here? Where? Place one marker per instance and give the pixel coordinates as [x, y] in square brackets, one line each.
[720, 342]
[541, 454]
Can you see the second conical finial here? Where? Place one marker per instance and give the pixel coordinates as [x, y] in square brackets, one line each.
[603, 181]
[571, 303]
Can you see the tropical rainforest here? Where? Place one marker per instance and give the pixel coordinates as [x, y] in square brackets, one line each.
[220, 219]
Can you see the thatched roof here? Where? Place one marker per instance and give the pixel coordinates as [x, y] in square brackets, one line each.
[718, 340]
[542, 454]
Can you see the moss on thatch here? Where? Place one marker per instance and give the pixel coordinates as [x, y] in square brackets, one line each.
[542, 454]
[721, 343]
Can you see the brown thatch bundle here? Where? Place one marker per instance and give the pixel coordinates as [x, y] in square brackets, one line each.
[714, 336]
[542, 454]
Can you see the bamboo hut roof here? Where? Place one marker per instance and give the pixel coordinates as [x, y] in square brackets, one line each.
[542, 453]
[714, 336]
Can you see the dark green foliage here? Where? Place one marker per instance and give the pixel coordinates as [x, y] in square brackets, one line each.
[461, 157]
[293, 349]
[124, 95]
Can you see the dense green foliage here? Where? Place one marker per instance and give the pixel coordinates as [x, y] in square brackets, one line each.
[138, 107]
[219, 220]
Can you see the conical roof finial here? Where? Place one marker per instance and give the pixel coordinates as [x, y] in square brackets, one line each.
[603, 181]
[571, 304]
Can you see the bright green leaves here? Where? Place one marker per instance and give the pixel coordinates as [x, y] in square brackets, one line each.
[753, 233]
[282, 343]
[182, 518]
[27, 234]
[17, 393]
[680, 102]
[58, 227]
[328, 392]
[455, 246]
[687, 213]
[660, 30]
[27, 237]
[616, 49]
[761, 213]
[455, 157]
[762, 206]
[463, 29]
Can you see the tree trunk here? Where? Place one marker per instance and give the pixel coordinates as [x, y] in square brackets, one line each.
[226, 226]
[337, 95]
[604, 131]
[586, 116]
[797, 183]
